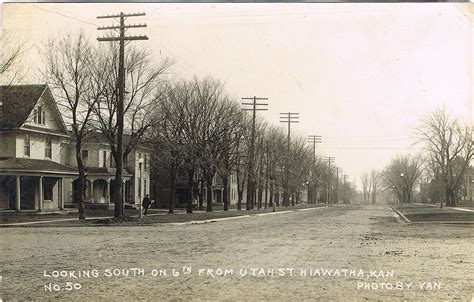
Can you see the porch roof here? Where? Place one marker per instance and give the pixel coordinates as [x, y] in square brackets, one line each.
[33, 166]
[100, 171]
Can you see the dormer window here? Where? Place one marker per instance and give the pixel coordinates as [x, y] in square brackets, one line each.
[39, 116]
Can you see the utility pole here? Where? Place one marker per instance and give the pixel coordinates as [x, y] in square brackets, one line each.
[337, 184]
[251, 183]
[330, 160]
[289, 118]
[344, 188]
[314, 139]
[118, 190]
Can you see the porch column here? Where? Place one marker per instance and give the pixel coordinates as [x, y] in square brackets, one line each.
[40, 194]
[18, 193]
[222, 196]
[61, 193]
[123, 192]
[108, 190]
[92, 190]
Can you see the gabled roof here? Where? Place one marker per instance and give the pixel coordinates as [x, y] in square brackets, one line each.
[17, 101]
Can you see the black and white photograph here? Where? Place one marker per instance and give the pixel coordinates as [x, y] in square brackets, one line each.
[236, 151]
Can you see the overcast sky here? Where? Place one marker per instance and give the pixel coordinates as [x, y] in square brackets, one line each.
[361, 75]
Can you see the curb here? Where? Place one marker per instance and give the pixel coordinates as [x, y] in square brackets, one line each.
[45, 222]
[400, 214]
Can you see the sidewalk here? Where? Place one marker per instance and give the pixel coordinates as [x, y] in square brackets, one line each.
[420, 213]
[154, 216]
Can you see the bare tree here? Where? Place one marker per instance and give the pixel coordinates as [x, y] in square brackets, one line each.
[375, 184]
[144, 89]
[241, 149]
[299, 166]
[450, 147]
[408, 166]
[217, 113]
[276, 153]
[230, 141]
[78, 83]
[365, 179]
[168, 134]
[11, 55]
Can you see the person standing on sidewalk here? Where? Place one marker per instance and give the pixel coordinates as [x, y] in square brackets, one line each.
[146, 203]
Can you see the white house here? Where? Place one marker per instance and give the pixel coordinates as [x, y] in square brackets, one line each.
[38, 168]
[31, 132]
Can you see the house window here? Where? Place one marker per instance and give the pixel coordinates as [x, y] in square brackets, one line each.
[145, 162]
[27, 145]
[39, 112]
[85, 157]
[112, 161]
[48, 148]
[39, 116]
[104, 159]
[48, 190]
[144, 187]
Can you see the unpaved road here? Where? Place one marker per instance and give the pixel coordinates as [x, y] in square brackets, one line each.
[349, 253]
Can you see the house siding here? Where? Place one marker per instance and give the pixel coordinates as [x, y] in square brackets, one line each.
[8, 144]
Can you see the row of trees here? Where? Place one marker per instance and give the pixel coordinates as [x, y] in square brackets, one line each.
[201, 131]
[438, 172]
[195, 127]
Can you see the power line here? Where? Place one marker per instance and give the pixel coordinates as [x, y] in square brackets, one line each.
[64, 15]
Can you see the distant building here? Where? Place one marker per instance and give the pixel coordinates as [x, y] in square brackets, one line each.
[100, 171]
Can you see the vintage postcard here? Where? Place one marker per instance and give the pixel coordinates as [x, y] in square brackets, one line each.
[236, 152]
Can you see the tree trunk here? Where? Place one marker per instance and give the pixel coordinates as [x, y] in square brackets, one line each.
[81, 181]
[172, 188]
[225, 181]
[271, 194]
[189, 205]
[201, 195]
[249, 201]
[240, 195]
[209, 195]
[260, 196]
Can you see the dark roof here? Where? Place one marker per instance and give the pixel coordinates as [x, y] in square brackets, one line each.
[34, 165]
[17, 101]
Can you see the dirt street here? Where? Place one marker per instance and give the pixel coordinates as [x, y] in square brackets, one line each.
[340, 253]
